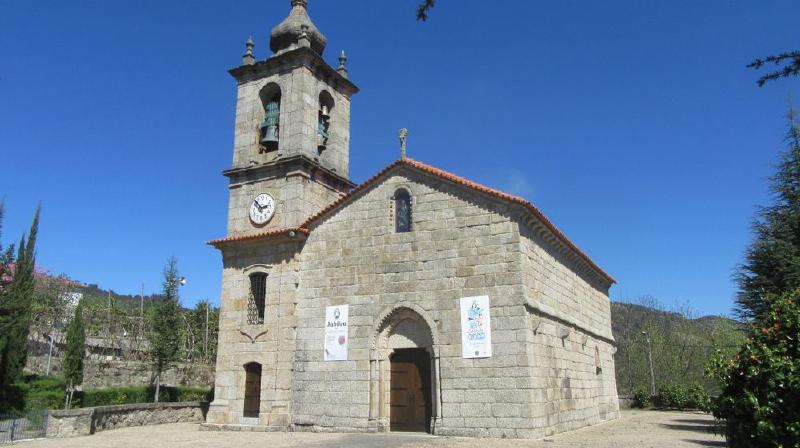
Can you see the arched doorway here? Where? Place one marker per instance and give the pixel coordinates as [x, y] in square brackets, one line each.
[404, 372]
[252, 390]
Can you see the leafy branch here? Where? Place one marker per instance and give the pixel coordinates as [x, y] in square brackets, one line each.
[423, 9]
[792, 67]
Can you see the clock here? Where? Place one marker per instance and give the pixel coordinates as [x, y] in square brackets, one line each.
[261, 209]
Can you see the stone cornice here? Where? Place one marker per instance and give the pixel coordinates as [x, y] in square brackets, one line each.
[567, 323]
[301, 56]
[580, 262]
[299, 164]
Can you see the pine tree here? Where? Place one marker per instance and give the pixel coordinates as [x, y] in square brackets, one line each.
[76, 347]
[772, 263]
[15, 311]
[6, 257]
[165, 315]
[788, 64]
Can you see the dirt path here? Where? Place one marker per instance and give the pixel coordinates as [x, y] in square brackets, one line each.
[636, 429]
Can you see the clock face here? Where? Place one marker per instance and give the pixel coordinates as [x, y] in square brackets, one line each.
[262, 208]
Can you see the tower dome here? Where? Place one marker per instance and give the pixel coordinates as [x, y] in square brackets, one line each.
[287, 33]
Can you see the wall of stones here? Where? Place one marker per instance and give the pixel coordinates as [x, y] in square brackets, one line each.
[462, 245]
[558, 287]
[572, 346]
[270, 344]
[573, 376]
[114, 373]
[82, 422]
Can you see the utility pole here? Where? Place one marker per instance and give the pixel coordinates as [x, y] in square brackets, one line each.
[141, 303]
[141, 312]
[108, 335]
[650, 361]
[205, 340]
[49, 354]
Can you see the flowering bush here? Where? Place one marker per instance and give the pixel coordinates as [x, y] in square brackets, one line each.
[760, 401]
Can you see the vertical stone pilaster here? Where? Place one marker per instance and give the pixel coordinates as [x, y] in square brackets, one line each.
[374, 399]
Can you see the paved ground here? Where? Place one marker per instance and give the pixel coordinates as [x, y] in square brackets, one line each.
[636, 429]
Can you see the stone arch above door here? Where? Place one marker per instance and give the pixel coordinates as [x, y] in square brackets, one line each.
[405, 325]
[402, 326]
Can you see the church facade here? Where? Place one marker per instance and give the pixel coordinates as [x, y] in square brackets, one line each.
[416, 301]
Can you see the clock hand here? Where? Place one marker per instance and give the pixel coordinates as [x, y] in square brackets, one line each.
[260, 208]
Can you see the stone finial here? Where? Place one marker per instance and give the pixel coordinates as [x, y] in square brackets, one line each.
[301, 3]
[342, 61]
[248, 58]
[403, 139]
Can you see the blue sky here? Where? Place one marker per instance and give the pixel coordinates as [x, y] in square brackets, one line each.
[634, 126]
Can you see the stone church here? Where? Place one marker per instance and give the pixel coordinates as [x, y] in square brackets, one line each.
[416, 301]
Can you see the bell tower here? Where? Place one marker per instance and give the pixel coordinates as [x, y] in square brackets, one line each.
[292, 135]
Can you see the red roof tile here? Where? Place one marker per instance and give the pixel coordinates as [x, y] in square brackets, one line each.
[258, 235]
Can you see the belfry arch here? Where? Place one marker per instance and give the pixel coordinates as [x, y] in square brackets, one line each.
[404, 338]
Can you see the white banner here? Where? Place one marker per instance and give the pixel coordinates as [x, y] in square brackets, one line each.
[336, 333]
[476, 329]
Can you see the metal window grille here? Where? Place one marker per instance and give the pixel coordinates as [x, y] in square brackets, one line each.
[258, 295]
[30, 425]
[402, 211]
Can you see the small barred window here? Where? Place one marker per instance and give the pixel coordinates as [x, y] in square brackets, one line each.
[402, 211]
[258, 295]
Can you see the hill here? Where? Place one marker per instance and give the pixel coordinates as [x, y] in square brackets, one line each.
[681, 344]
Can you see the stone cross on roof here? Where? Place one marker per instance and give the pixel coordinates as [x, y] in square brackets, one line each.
[403, 138]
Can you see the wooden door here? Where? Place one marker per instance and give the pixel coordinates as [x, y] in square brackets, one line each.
[252, 390]
[410, 393]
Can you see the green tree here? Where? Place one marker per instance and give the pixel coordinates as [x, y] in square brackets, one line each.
[165, 324]
[760, 401]
[15, 311]
[76, 347]
[772, 262]
[51, 301]
[788, 64]
[201, 332]
[6, 257]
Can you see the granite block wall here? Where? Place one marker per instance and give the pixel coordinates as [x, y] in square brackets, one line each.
[552, 365]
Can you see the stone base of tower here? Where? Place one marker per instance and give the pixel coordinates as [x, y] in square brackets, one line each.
[220, 418]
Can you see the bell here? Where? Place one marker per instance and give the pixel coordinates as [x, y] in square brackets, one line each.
[270, 134]
[324, 112]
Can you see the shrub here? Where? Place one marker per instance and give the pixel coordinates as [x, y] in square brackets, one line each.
[194, 393]
[108, 396]
[670, 397]
[35, 393]
[698, 398]
[641, 398]
[760, 400]
[44, 400]
[41, 392]
[682, 397]
[12, 400]
[36, 383]
[142, 394]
